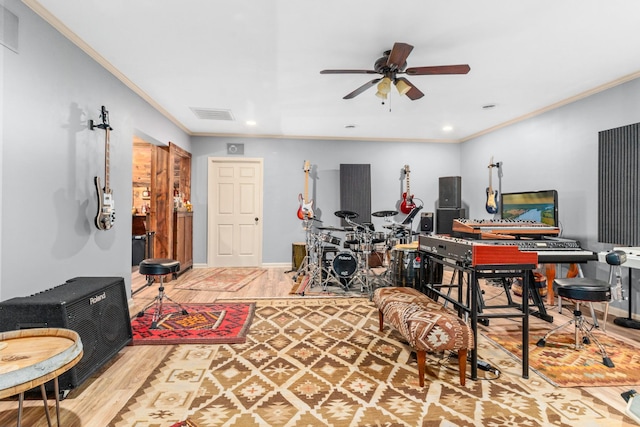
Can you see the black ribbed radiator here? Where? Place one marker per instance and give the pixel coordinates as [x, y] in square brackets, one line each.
[619, 185]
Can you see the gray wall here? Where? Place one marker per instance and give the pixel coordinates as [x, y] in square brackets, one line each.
[556, 150]
[50, 89]
[284, 180]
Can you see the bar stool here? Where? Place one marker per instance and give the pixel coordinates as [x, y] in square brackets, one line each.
[159, 267]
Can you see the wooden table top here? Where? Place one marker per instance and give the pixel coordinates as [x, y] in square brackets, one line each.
[31, 357]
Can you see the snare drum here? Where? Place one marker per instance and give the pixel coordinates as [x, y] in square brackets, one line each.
[405, 265]
[344, 264]
[328, 238]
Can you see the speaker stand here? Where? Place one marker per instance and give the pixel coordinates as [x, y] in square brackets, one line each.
[628, 322]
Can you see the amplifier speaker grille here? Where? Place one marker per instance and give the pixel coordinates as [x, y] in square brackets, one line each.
[95, 307]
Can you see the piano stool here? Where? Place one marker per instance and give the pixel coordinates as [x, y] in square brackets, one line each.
[579, 290]
[425, 325]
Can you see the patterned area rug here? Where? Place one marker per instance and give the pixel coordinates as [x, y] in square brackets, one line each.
[225, 279]
[312, 362]
[220, 323]
[563, 366]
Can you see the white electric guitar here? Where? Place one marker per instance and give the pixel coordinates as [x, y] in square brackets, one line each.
[106, 207]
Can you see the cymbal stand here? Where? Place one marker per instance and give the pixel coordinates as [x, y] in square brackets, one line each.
[363, 271]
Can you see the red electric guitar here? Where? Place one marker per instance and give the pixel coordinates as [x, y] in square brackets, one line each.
[407, 204]
[305, 210]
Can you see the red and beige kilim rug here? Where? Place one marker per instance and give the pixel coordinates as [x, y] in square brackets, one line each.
[222, 279]
[562, 365]
[323, 362]
[217, 323]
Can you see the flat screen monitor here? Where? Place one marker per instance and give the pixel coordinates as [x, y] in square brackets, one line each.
[539, 206]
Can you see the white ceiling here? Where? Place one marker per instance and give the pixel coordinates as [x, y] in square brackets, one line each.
[261, 59]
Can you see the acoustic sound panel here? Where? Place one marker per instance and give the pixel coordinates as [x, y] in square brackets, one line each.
[426, 222]
[355, 191]
[618, 184]
[445, 217]
[450, 192]
[95, 307]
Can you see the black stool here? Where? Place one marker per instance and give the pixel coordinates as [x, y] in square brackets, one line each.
[580, 289]
[159, 267]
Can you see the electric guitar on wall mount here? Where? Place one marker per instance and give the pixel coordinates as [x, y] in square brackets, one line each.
[492, 196]
[407, 204]
[106, 210]
[305, 211]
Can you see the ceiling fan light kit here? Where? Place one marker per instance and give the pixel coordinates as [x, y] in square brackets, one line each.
[390, 65]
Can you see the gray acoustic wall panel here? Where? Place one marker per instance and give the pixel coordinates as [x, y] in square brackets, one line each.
[619, 186]
[355, 190]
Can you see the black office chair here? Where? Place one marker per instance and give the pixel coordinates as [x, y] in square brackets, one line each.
[159, 267]
[582, 290]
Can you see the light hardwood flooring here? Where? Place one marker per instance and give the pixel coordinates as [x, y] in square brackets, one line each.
[105, 393]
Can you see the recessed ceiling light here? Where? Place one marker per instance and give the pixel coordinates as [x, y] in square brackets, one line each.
[250, 123]
[447, 128]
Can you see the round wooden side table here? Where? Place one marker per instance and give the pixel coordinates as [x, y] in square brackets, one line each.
[31, 357]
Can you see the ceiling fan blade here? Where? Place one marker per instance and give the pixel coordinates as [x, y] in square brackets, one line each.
[361, 89]
[413, 93]
[438, 69]
[398, 55]
[348, 72]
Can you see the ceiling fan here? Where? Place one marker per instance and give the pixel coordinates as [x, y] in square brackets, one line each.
[390, 65]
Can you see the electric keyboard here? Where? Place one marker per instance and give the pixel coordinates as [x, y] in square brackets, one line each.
[551, 250]
[503, 228]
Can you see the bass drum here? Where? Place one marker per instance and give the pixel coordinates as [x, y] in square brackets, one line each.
[344, 264]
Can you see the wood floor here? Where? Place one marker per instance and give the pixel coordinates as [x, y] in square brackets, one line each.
[105, 393]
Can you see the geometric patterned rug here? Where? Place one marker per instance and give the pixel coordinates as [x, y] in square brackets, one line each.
[218, 323]
[219, 279]
[323, 362]
[560, 364]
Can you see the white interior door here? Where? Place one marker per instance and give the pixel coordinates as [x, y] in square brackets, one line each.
[235, 212]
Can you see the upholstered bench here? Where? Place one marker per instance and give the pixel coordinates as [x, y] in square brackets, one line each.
[425, 324]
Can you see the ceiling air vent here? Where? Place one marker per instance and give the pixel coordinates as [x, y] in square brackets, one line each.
[212, 114]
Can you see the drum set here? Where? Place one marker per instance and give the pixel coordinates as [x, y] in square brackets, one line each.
[350, 260]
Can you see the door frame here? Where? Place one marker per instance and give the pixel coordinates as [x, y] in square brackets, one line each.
[210, 225]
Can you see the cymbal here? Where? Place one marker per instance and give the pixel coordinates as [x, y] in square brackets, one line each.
[384, 213]
[394, 226]
[346, 214]
[330, 228]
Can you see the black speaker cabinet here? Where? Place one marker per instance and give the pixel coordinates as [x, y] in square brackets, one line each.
[94, 307]
[450, 192]
[445, 217]
[426, 222]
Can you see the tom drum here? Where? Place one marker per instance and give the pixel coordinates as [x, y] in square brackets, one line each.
[328, 238]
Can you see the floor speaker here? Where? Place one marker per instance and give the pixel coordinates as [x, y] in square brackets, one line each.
[95, 307]
[426, 222]
[450, 192]
[445, 217]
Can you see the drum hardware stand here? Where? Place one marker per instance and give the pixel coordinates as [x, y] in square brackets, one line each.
[306, 264]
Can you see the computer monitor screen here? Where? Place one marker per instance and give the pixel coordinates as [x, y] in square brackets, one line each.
[539, 206]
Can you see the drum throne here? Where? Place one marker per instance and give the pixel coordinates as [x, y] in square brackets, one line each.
[585, 290]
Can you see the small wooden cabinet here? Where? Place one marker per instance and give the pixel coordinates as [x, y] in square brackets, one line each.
[183, 239]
